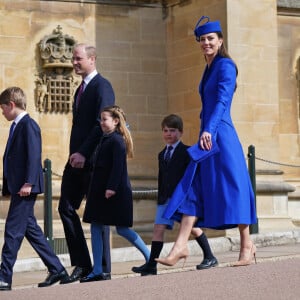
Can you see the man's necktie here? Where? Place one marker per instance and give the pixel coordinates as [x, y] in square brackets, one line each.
[11, 131]
[168, 154]
[81, 89]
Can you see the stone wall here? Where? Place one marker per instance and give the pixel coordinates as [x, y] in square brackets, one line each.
[132, 43]
[131, 54]
[155, 67]
[186, 62]
[289, 96]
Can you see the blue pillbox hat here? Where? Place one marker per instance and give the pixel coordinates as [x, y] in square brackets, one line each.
[207, 27]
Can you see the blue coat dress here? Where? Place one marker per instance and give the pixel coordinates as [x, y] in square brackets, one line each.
[218, 189]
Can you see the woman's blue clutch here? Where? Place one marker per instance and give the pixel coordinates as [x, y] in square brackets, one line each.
[197, 154]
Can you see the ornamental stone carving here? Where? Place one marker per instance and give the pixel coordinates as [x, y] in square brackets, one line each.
[55, 84]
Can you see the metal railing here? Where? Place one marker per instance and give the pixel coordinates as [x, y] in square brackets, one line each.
[252, 174]
[59, 245]
[48, 229]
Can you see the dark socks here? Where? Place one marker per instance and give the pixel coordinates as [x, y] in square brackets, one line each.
[203, 243]
[156, 248]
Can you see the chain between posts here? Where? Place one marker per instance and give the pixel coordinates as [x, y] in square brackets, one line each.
[277, 163]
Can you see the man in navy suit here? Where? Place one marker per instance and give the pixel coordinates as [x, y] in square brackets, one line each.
[23, 181]
[94, 94]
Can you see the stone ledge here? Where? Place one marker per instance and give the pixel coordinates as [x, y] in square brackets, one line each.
[269, 172]
[219, 245]
[288, 3]
[269, 239]
[274, 187]
[294, 196]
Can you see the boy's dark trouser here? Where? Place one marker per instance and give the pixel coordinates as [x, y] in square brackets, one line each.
[20, 222]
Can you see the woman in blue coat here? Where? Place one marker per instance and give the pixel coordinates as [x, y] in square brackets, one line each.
[217, 192]
[109, 200]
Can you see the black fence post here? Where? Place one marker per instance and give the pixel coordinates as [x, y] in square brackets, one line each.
[252, 173]
[48, 230]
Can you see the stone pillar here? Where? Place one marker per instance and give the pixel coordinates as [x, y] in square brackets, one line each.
[252, 43]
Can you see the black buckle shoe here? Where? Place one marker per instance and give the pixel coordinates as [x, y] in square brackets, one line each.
[207, 263]
[93, 277]
[145, 269]
[106, 276]
[53, 278]
[77, 274]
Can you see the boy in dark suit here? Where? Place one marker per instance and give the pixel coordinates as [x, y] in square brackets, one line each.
[23, 181]
[173, 160]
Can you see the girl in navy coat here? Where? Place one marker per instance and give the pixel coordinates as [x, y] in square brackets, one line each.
[109, 200]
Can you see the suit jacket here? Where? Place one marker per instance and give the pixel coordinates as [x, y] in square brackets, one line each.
[23, 158]
[169, 174]
[86, 130]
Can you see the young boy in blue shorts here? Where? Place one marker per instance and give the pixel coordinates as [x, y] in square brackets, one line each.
[173, 160]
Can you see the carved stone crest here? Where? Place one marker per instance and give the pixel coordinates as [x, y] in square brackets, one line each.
[55, 85]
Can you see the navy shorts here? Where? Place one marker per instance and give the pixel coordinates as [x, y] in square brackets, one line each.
[159, 220]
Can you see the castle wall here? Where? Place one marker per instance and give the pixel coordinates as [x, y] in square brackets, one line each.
[289, 95]
[155, 66]
[250, 30]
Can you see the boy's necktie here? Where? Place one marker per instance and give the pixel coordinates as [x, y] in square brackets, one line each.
[11, 131]
[168, 154]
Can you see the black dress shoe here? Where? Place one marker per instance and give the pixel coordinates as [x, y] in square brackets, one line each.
[145, 269]
[4, 286]
[207, 263]
[53, 278]
[93, 277]
[77, 274]
[107, 276]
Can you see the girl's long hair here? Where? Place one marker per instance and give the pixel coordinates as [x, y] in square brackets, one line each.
[117, 113]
